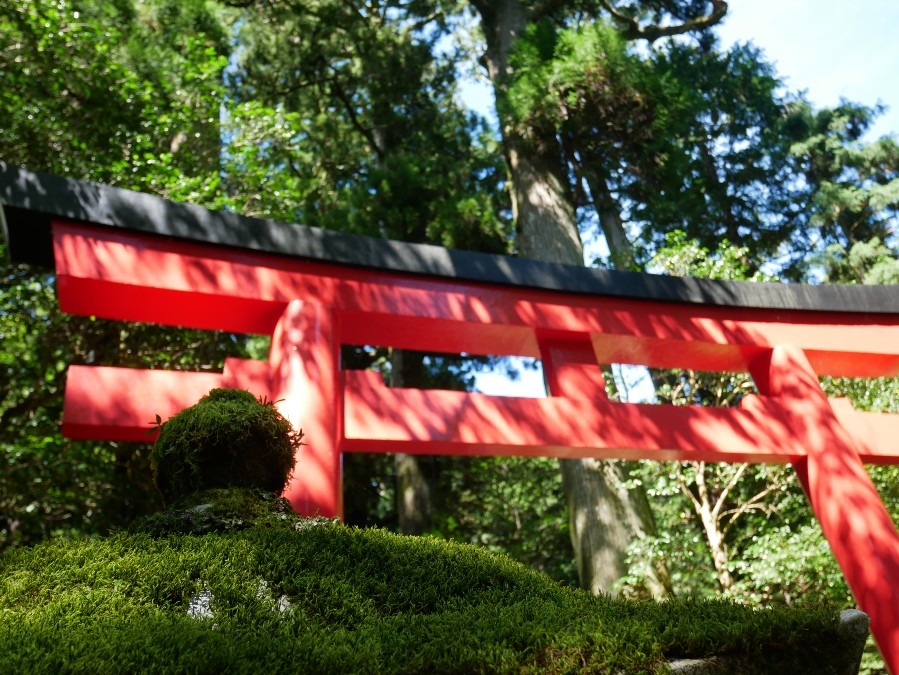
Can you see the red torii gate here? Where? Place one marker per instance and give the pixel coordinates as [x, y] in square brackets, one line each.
[219, 271]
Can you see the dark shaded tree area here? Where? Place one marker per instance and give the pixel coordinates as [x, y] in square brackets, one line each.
[125, 94]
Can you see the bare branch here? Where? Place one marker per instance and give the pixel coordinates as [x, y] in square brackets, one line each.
[699, 468]
[701, 485]
[726, 490]
[748, 505]
[632, 30]
[696, 505]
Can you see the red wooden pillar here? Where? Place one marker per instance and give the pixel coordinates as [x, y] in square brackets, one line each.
[570, 368]
[304, 364]
[854, 520]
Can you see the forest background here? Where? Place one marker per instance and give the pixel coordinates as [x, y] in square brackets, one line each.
[626, 126]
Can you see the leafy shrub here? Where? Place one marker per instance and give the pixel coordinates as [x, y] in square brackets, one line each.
[227, 439]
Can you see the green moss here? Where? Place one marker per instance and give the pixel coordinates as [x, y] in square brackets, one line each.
[219, 510]
[227, 439]
[314, 596]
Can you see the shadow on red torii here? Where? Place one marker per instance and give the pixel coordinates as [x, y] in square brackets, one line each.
[130, 256]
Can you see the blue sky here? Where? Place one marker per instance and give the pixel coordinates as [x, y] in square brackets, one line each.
[829, 49]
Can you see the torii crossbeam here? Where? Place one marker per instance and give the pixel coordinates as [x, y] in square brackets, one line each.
[130, 256]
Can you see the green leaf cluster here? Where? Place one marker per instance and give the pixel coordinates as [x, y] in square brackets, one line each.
[350, 120]
[123, 93]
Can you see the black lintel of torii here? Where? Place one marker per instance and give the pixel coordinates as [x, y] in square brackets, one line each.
[30, 201]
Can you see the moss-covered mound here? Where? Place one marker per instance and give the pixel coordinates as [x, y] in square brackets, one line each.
[312, 596]
[228, 438]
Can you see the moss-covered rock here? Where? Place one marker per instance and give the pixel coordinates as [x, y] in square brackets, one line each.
[313, 596]
[229, 438]
[218, 510]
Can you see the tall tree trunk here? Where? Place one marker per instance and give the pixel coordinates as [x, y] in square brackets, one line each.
[413, 490]
[605, 515]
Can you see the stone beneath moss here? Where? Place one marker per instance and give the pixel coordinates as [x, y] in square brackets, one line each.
[220, 510]
[842, 656]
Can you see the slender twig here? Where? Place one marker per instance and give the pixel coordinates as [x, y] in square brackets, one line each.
[726, 490]
[748, 505]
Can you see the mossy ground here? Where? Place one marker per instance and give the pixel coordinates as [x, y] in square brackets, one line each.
[312, 596]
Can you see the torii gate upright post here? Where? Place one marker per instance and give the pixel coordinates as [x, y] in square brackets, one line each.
[133, 257]
[855, 522]
[304, 362]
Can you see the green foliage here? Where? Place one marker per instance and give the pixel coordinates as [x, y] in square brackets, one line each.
[122, 93]
[775, 552]
[855, 182]
[689, 137]
[311, 595]
[582, 81]
[700, 128]
[510, 505]
[729, 528]
[227, 439]
[50, 485]
[718, 152]
[348, 120]
[792, 564]
[128, 94]
[867, 262]
[684, 257]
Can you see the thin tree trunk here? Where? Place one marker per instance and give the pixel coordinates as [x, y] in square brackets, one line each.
[413, 495]
[605, 515]
[709, 515]
[413, 490]
[621, 251]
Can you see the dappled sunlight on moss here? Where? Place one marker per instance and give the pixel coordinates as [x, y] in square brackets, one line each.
[315, 596]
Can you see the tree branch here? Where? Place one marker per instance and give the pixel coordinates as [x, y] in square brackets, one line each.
[354, 118]
[726, 490]
[424, 21]
[749, 505]
[632, 30]
[698, 467]
[696, 505]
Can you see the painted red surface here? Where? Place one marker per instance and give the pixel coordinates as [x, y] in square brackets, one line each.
[311, 308]
[127, 276]
[303, 363]
[852, 515]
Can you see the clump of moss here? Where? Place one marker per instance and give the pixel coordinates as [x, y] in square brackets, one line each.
[227, 439]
